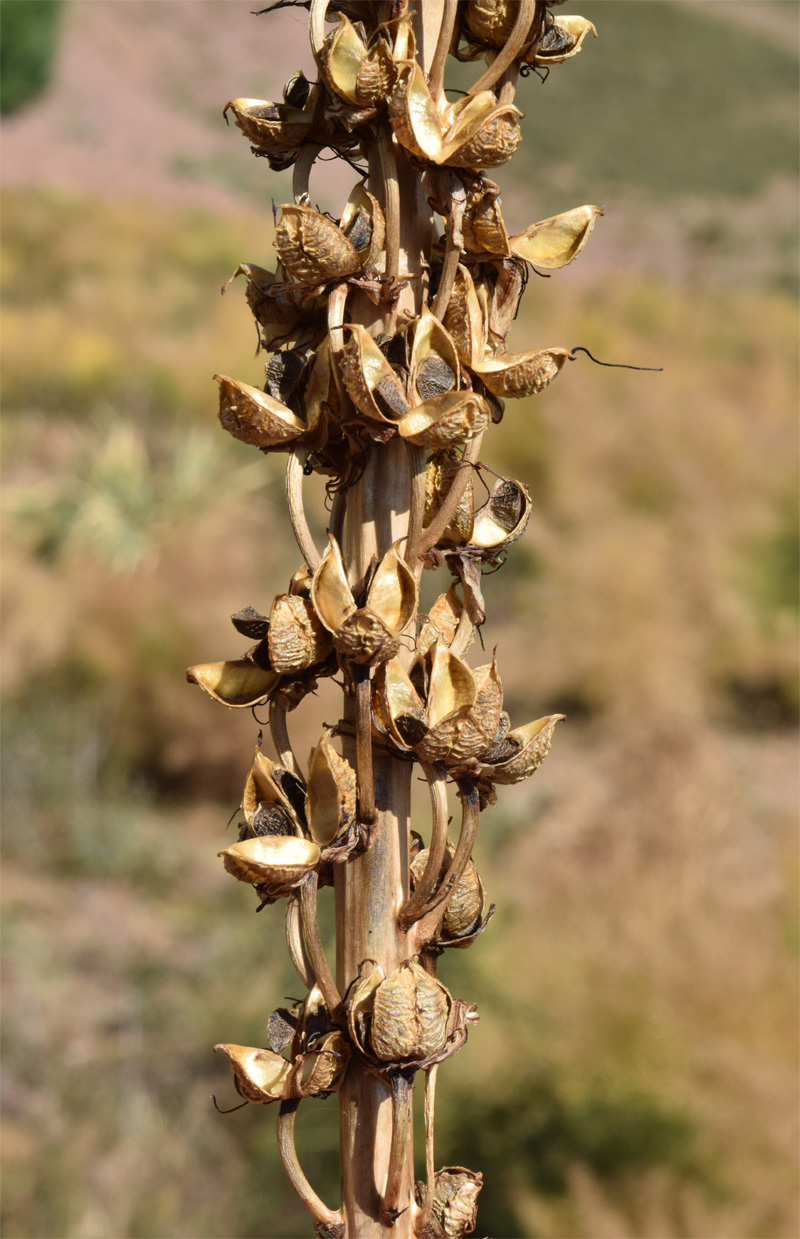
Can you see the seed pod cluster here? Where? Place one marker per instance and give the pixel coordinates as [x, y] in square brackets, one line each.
[362, 354]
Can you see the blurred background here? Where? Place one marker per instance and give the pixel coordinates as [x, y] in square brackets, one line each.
[634, 1074]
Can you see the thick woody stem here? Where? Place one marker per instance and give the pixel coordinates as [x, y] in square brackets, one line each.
[297, 512]
[508, 54]
[280, 736]
[416, 906]
[364, 776]
[295, 943]
[433, 532]
[313, 943]
[401, 1126]
[333, 1222]
[423, 1220]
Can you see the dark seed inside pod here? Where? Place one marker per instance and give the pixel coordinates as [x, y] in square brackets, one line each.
[507, 504]
[281, 1027]
[395, 350]
[292, 789]
[390, 400]
[260, 655]
[501, 752]
[269, 819]
[417, 676]
[284, 372]
[555, 40]
[268, 111]
[411, 729]
[251, 623]
[434, 377]
[359, 231]
[297, 90]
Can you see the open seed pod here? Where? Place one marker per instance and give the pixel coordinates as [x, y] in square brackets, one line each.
[372, 384]
[554, 242]
[239, 684]
[321, 1070]
[364, 226]
[367, 635]
[476, 731]
[503, 300]
[435, 370]
[442, 621]
[296, 639]
[440, 473]
[331, 794]
[446, 421]
[275, 864]
[561, 40]
[465, 319]
[259, 1075]
[451, 695]
[475, 132]
[521, 752]
[312, 248]
[272, 127]
[465, 906]
[483, 227]
[490, 21]
[280, 316]
[254, 417]
[273, 801]
[504, 516]
[514, 375]
[397, 704]
[454, 1211]
[402, 1017]
[361, 74]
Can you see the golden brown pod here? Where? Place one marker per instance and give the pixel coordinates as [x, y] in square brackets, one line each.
[504, 517]
[296, 638]
[372, 384]
[481, 133]
[312, 248]
[254, 417]
[502, 304]
[398, 706]
[454, 1211]
[363, 76]
[274, 127]
[491, 21]
[451, 695]
[476, 731]
[561, 40]
[410, 1011]
[435, 369]
[465, 905]
[483, 226]
[464, 319]
[279, 862]
[440, 473]
[522, 751]
[446, 420]
[364, 225]
[413, 114]
[280, 319]
[442, 621]
[238, 684]
[367, 635]
[514, 375]
[331, 797]
[260, 1075]
[555, 242]
[272, 799]
[322, 1068]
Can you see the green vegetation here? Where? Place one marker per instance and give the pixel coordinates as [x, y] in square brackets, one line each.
[28, 36]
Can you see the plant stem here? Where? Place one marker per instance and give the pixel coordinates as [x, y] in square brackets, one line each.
[313, 943]
[318, 1209]
[401, 1130]
[297, 512]
[508, 54]
[280, 737]
[416, 905]
[433, 532]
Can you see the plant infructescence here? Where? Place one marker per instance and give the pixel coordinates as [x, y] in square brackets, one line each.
[388, 365]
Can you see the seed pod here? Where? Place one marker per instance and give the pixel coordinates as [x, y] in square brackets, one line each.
[331, 793]
[477, 729]
[413, 114]
[481, 133]
[279, 863]
[465, 905]
[271, 794]
[442, 622]
[359, 1002]
[260, 1075]
[312, 248]
[554, 242]
[515, 375]
[372, 384]
[502, 305]
[254, 417]
[238, 684]
[434, 361]
[362, 77]
[297, 639]
[491, 21]
[451, 695]
[527, 747]
[454, 1211]
[364, 225]
[273, 127]
[280, 318]
[397, 704]
[561, 40]
[504, 517]
[367, 635]
[440, 473]
[446, 421]
[322, 1069]
[410, 1011]
[465, 320]
[483, 226]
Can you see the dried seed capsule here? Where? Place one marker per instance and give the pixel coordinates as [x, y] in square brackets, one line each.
[465, 905]
[454, 1210]
[561, 40]
[280, 318]
[440, 473]
[464, 318]
[297, 639]
[504, 517]
[502, 306]
[368, 635]
[364, 225]
[410, 1011]
[491, 21]
[554, 242]
[238, 684]
[477, 729]
[434, 360]
[312, 248]
[360, 75]
[359, 1002]
[481, 132]
[260, 1075]
[529, 746]
[451, 695]
[273, 127]
[331, 793]
[446, 421]
[372, 384]
[413, 114]
[514, 375]
[483, 226]
[442, 622]
[277, 862]
[322, 1069]
[398, 705]
[254, 417]
[269, 787]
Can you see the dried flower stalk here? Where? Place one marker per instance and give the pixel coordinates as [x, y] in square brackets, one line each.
[388, 363]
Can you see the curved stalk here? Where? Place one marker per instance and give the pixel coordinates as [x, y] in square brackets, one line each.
[338, 511]
[401, 1125]
[332, 1222]
[416, 462]
[280, 736]
[423, 1220]
[434, 531]
[302, 170]
[391, 202]
[309, 923]
[436, 75]
[297, 512]
[336, 306]
[432, 913]
[316, 26]
[364, 774]
[416, 905]
[464, 631]
[452, 255]
[508, 54]
[295, 943]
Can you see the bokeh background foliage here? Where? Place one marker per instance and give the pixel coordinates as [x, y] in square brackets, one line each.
[635, 1071]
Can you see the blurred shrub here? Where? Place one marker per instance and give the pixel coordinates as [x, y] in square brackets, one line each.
[28, 35]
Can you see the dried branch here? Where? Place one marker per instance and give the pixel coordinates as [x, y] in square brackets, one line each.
[280, 736]
[401, 1126]
[297, 512]
[313, 942]
[417, 905]
[433, 532]
[333, 1222]
[507, 56]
